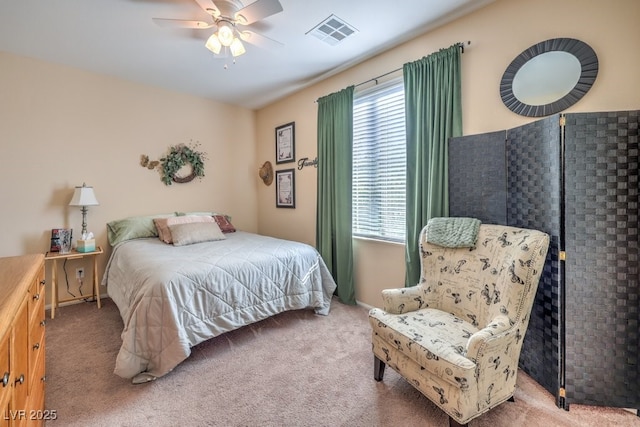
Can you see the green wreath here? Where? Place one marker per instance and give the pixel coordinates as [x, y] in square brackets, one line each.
[178, 157]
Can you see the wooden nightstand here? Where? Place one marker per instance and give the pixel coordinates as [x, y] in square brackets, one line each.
[55, 256]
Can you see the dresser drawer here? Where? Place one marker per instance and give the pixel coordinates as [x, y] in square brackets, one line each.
[36, 395]
[5, 387]
[4, 359]
[37, 295]
[36, 341]
[20, 359]
[5, 407]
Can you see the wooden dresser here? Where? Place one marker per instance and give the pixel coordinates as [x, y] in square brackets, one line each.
[22, 339]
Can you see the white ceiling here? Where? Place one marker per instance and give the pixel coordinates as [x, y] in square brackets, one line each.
[118, 38]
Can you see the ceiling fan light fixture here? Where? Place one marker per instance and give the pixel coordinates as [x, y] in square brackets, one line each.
[227, 39]
[213, 44]
[225, 33]
[236, 48]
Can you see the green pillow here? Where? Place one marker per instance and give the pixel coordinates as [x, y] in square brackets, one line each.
[135, 227]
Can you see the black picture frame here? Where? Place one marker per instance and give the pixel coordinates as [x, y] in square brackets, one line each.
[286, 143]
[286, 188]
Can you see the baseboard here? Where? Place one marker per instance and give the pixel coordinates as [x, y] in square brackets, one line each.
[362, 304]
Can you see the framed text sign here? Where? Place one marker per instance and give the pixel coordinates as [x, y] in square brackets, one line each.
[286, 143]
[285, 188]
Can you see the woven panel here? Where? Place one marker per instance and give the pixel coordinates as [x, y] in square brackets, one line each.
[533, 201]
[477, 177]
[602, 304]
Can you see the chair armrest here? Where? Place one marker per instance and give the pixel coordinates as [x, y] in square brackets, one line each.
[402, 300]
[497, 326]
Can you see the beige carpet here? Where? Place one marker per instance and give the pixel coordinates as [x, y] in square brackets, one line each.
[296, 369]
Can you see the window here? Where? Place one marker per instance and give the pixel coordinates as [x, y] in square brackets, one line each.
[379, 163]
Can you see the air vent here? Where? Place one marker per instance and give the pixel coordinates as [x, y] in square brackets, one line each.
[332, 30]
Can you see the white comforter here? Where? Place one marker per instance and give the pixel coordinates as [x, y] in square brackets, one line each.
[172, 298]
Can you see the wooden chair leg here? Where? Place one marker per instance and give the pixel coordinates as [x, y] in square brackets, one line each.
[378, 368]
[454, 423]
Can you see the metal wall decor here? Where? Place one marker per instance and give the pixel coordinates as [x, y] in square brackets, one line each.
[549, 77]
[306, 162]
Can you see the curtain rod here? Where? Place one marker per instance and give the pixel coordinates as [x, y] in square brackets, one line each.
[375, 79]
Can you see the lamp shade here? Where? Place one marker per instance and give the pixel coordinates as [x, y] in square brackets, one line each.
[225, 33]
[213, 44]
[83, 196]
[237, 48]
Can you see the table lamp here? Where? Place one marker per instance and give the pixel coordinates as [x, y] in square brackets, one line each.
[83, 197]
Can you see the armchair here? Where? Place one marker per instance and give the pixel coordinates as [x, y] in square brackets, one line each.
[457, 335]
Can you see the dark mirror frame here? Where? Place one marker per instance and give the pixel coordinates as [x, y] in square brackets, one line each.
[589, 71]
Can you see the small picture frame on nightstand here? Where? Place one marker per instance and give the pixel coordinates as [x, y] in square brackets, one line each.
[61, 240]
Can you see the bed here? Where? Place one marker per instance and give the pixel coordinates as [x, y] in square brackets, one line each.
[173, 297]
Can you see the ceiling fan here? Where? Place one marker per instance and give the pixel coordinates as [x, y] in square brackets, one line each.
[230, 23]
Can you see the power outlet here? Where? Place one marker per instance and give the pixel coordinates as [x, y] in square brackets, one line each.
[79, 273]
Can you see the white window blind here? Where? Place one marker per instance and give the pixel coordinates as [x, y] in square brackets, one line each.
[379, 163]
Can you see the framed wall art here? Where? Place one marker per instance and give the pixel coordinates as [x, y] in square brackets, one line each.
[285, 188]
[286, 143]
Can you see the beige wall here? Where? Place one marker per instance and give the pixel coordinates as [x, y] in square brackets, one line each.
[60, 127]
[498, 33]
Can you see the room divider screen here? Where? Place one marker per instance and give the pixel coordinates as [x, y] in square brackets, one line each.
[574, 176]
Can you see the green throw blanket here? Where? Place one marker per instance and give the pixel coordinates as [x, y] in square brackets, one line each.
[453, 232]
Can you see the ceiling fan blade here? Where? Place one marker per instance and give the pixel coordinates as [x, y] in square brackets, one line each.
[210, 7]
[257, 10]
[181, 23]
[259, 40]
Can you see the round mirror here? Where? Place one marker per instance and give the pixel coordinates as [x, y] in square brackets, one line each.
[549, 77]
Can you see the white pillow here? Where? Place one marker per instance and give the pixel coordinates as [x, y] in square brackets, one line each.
[163, 224]
[195, 232]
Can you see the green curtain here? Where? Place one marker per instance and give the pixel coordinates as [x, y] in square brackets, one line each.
[333, 217]
[433, 109]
